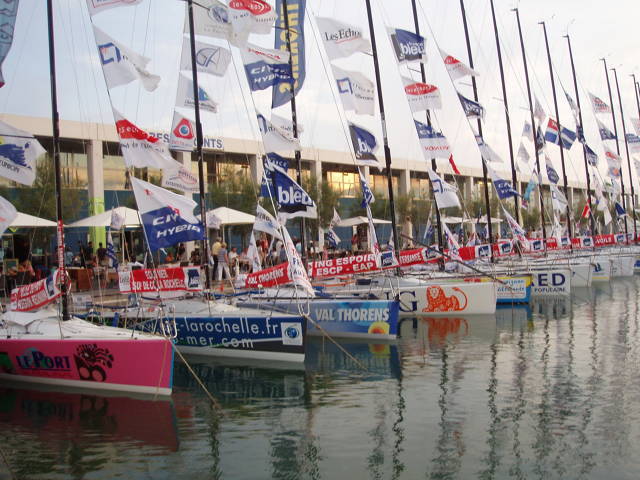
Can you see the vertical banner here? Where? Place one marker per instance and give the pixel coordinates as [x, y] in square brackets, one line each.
[296, 11]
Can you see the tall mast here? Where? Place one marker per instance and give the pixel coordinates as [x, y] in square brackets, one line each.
[294, 121]
[475, 98]
[555, 106]
[635, 91]
[626, 146]
[533, 122]
[514, 176]
[55, 120]
[434, 166]
[387, 150]
[584, 147]
[615, 131]
[204, 257]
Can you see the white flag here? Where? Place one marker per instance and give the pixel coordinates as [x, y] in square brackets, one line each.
[558, 200]
[636, 163]
[250, 16]
[297, 272]
[607, 216]
[117, 220]
[18, 153]
[599, 106]
[285, 126]
[210, 59]
[452, 244]
[210, 19]
[614, 162]
[185, 99]
[183, 133]
[8, 213]
[97, 6]
[636, 125]
[538, 112]
[446, 195]
[253, 254]
[274, 139]
[265, 222]
[335, 220]
[574, 108]
[356, 91]
[527, 131]
[121, 65]
[456, 68]
[341, 39]
[523, 154]
[488, 153]
[421, 96]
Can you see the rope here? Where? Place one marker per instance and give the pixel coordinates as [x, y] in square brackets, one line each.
[213, 400]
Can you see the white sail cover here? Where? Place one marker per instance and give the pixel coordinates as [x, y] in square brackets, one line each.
[18, 153]
[341, 39]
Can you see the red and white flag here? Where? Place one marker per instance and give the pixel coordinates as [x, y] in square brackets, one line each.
[586, 211]
[456, 68]
[421, 96]
[183, 133]
[599, 106]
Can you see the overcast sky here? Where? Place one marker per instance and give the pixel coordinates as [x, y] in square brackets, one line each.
[154, 28]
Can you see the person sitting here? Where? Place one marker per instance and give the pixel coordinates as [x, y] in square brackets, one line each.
[195, 257]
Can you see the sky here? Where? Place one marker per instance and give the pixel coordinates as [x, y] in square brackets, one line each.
[154, 28]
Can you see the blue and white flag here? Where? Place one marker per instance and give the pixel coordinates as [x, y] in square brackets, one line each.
[540, 143]
[111, 251]
[527, 131]
[452, 243]
[407, 46]
[296, 13]
[367, 194]
[516, 230]
[445, 194]
[275, 138]
[167, 217]
[502, 186]
[605, 133]
[265, 222]
[471, 109]
[292, 200]
[558, 200]
[434, 144]
[332, 238]
[356, 91]
[592, 157]
[8, 13]
[633, 142]
[269, 161]
[488, 153]
[265, 67]
[566, 135]
[552, 175]
[428, 232]
[620, 211]
[364, 145]
[18, 153]
[185, 99]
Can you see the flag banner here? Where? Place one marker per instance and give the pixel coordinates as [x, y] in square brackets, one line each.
[372, 238]
[552, 175]
[538, 112]
[250, 16]
[211, 20]
[19, 151]
[614, 162]
[471, 109]
[111, 251]
[364, 145]
[356, 91]
[633, 142]
[332, 238]
[367, 194]
[265, 67]
[269, 277]
[117, 220]
[551, 135]
[502, 186]
[592, 157]
[428, 231]
[580, 134]
[296, 13]
[516, 230]
[97, 6]
[454, 167]
[523, 154]
[183, 133]
[452, 244]
[574, 108]
[488, 153]
[36, 295]
[531, 186]
[292, 200]
[285, 126]
[175, 279]
[434, 144]
[253, 254]
[210, 59]
[265, 222]
[445, 194]
[456, 68]
[341, 39]
[636, 125]
[269, 160]
[363, 263]
[179, 177]
[297, 271]
[8, 213]
[421, 96]
[527, 131]
[8, 15]
[620, 211]
[167, 217]
[599, 106]
[184, 96]
[213, 221]
[558, 200]
[540, 143]
[408, 46]
[607, 216]
[605, 133]
[121, 65]
[274, 139]
[586, 211]
[335, 220]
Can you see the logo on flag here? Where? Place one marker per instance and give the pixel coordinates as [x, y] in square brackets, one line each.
[275, 139]
[356, 91]
[182, 135]
[502, 186]
[341, 39]
[367, 194]
[408, 46]
[445, 194]
[364, 145]
[292, 200]
[265, 67]
[184, 96]
[471, 109]
[295, 14]
[421, 96]
[434, 144]
[599, 106]
[456, 68]
[605, 133]
[18, 153]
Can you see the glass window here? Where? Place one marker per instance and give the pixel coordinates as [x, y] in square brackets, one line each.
[344, 183]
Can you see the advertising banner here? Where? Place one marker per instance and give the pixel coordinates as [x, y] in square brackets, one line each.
[177, 279]
[36, 294]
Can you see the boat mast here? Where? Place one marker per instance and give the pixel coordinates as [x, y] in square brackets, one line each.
[475, 98]
[626, 146]
[55, 120]
[383, 122]
[635, 91]
[434, 166]
[584, 147]
[533, 122]
[615, 131]
[514, 176]
[555, 106]
[294, 122]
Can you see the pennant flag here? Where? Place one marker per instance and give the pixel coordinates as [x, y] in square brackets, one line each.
[364, 145]
[636, 125]
[19, 151]
[488, 154]
[586, 211]
[580, 134]
[184, 96]
[551, 135]
[599, 106]
[269, 160]
[552, 175]
[592, 157]
[297, 271]
[8, 14]
[605, 133]
[341, 39]
[332, 238]
[456, 68]
[356, 91]
[574, 108]
[620, 211]
[367, 194]
[633, 142]
[538, 112]
[527, 131]
[516, 230]
[421, 96]
[265, 67]
[253, 254]
[250, 16]
[210, 59]
[183, 134]
[540, 143]
[558, 200]
[265, 222]
[167, 217]
[335, 220]
[292, 200]
[111, 251]
[212, 20]
[471, 109]
[8, 213]
[285, 126]
[117, 220]
[121, 65]
[607, 216]
[523, 154]
[445, 194]
[453, 165]
[275, 139]
[531, 186]
[434, 144]
[452, 243]
[502, 186]
[97, 6]
[614, 162]
[407, 46]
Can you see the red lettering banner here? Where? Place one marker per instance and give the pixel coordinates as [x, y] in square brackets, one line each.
[176, 279]
[269, 277]
[36, 295]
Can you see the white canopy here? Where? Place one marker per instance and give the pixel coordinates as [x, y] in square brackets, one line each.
[25, 220]
[483, 219]
[228, 216]
[446, 219]
[131, 219]
[352, 222]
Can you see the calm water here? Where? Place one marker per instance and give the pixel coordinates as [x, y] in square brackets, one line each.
[550, 392]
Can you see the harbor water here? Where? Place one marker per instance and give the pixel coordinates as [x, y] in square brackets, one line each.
[546, 392]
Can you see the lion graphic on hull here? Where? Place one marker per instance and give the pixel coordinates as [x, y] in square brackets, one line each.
[437, 300]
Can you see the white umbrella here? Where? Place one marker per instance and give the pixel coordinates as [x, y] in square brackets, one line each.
[228, 216]
[131, 219]
[483, 219]
[25, 220]
[352, 222]
[451, 219]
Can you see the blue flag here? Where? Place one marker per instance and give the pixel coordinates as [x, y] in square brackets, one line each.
[552, 175]
[408, 46]
[592, 157]
[620, 211]
[471, 109]
[502, 186]
[539, 139]
[111, 251]
[367, 194]
[364, 145]
[266, 68]
[292, 200]
[332, 238]
[566, 136]
[296, 8]
[605, 133]
[269, 161]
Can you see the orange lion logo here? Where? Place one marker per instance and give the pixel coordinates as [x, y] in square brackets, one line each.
[437, 301]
